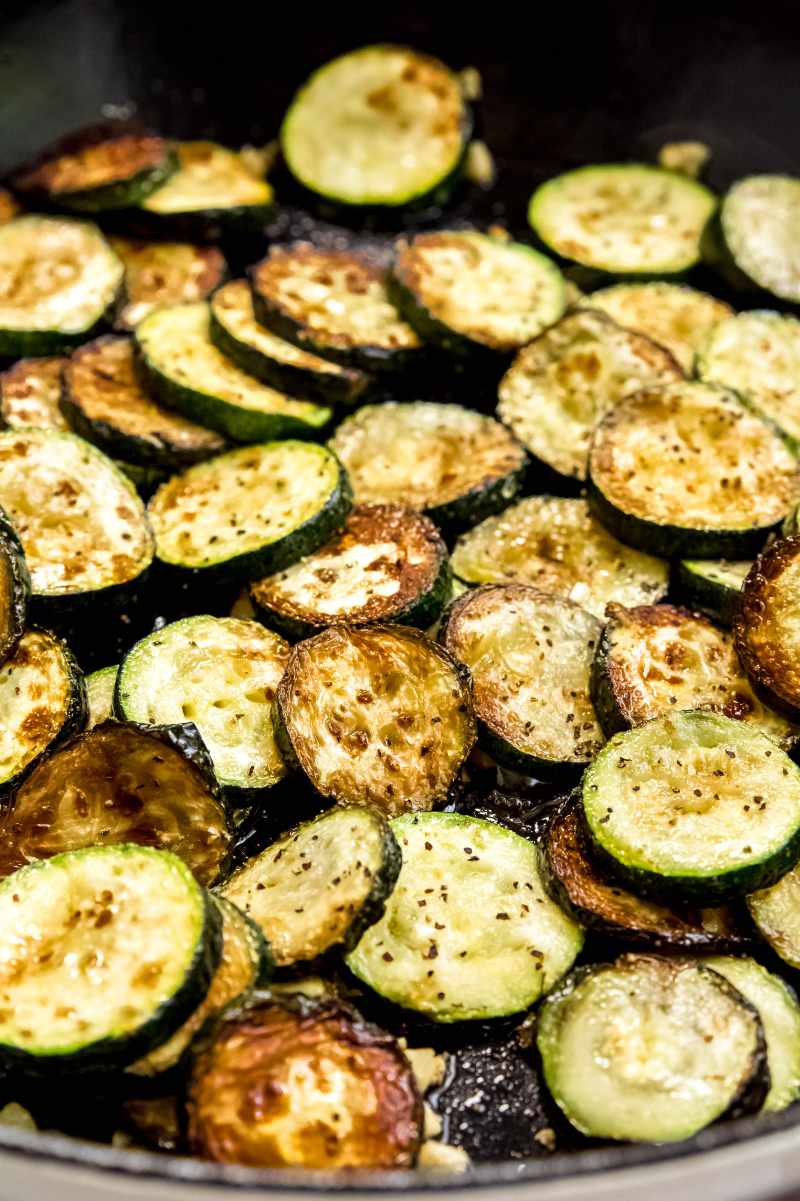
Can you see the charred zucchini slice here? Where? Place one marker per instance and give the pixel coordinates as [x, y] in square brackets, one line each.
[43, 702]
[128, 944]
[333, 303]
[456, 465]
[467, 291]
[651, 1049]
[776, 913]
[105, 403]
[656, 658]
[118, 784]
[30, 394]
[758, 227]
[221, 674]
[8, 206]
[100, 695]
[58, 279]
[154, 1122]
[675, 316]
[766, 628]
[685, 470]
[235, 331]
[212, 190]
[111, 173]
[184, 369]
[382, 126]
[693, 806]
[159, 273]
[347, 1096]
[377, 715]
[15, 590]
[529, 655]
[428, 952]
[713, 586]
[555, 544]
[321, 885]
[388, 564]
[558, 388]
[264, 508]
[624, 218]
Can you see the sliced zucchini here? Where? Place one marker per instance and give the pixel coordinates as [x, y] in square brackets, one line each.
[221, 674]
[625, 218]
[382, 125]
[376, 715]
[758, 227]
[346, 1096]
[158, 273]
[651, 1049]
[30, 394]
[15, 590]
[555, 544]
[558, 388]
[465, 290]
[154, 1122]
[8, 206]
[776, 913]
[674, 315]
[118, 784]
[284, 366]
[263, 508]
[109, 174]
[43, 702]
[713, 586]
[212, 191]
[657, 658]
[388, 564]
[106, 951]
[529, 655]
[321, 885]
[685, 470]
[766, 628]
[184, 369]
[780, 1014]
[333, 303]
[430, 954]
[100, 695]
[693, 806]
[454, 464]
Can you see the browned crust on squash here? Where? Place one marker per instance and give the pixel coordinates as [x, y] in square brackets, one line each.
[774, 674]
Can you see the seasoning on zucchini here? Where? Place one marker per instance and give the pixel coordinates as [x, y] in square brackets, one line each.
[118, 783]
[529, 655]
[757, 235]
[693, 806]
[766, 628]
[388, 564]
[713, 586]
[651, 1049]
[30, 394]
[346, 1096]
[382, 125]
[454, 464]
[264, 508]
[776, 913]
[235, 331]
[15, 589]
[321, 885]
[558, 388]
[100, 695]
[111, 173]
[624, 218]
[212, 191]
[685, 470]
[58, 280]
[555, 544]
[221, 674]
[159, 273]
[377, 715]
[469, 931]
[128, 942]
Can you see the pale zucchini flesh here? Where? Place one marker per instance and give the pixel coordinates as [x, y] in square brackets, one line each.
[100, 695]
[675, 316]
[209, 178]
[776, 913]
[30, 393]
[759, 220]
[712, 585]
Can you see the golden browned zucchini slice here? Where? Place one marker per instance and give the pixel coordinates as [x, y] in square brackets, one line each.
[158, 273]
[15, 589]
[674, 315]
[767, 625]
[30, 393]
[110, 173]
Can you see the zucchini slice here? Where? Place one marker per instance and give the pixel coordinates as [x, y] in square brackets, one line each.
[675, 316]
[776, 913]
[8, 206]
[467, 291]
[15, 590]
[685, 470]
[766, 628]
[558, 388]
[624, 218]
[284, 366]
[382, 125]
[43, 702]
[100, 695]
[388, 564]
[555, 544]
[529, 655]
[105, 403]
[454, 464]
[221, 674]
[30, 394]
[58, 280]
[213, 190]
[321, 885]
[376, 715]
[119, 784]
[333, 303]
[154, 1122]
[758, 227]
[347, 1096]
[651, 1049]
[713, 586]
[159, 273]
[655, 659]
[693, 806]
[126, 944]
[264, 508]
[779, 1011]
[110, 174]
[430, 954]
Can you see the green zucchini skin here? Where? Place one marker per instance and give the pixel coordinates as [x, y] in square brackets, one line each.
[16, 585]
[712, 597]
[82, 153]
[130, 192]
